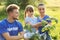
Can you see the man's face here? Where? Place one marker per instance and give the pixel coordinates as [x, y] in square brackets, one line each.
[41, 9]
[15, 14]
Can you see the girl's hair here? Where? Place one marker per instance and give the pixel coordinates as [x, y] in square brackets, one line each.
[29, 8]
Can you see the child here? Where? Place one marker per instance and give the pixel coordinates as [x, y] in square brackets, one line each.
[30, 18]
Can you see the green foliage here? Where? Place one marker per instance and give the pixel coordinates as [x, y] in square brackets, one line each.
[21, 16]
[3, 14]
[53, 19]
[8, 2]
[28, 27]
[55, 37]
[36, 36]
[48, 26]
[43, 23]
[0, 3]
[21, 3]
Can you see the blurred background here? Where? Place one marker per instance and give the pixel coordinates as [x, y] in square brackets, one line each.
[52, 9]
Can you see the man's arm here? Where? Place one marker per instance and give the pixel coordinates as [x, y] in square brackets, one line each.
[8, 37]
[21, 32]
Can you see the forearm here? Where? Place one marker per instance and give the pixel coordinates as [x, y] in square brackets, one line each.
[17, 37]
[37, 25]
[8, 37]
[14, 37]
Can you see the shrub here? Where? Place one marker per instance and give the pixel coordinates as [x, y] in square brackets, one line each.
[2, 14]
[21, 3]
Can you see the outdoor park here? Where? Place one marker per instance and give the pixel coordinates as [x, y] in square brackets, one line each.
[52, 9]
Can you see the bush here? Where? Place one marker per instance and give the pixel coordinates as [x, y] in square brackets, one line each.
[21, 3]
[8, 2]
[21, 17]
[3, 14]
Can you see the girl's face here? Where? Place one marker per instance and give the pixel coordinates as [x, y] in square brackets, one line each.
[29, 13]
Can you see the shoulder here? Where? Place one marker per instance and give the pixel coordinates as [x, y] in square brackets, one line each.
[47, 16]
[19, 23]
[3, 22]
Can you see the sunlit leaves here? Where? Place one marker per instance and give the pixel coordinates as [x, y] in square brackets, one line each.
[52, 26]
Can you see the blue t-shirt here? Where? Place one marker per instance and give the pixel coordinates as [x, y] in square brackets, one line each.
[39, 20]
[12, 28]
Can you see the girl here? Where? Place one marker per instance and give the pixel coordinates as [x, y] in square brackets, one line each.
[30, 19]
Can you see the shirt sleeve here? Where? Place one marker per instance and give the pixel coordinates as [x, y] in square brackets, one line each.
[3, 29]
[20, 28]
[26, 20]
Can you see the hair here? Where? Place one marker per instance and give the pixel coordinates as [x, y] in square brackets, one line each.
[11, 7]
[29, 8]
[41, 4]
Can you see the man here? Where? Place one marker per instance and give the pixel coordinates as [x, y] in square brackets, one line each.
[10, 27]
[43, 16]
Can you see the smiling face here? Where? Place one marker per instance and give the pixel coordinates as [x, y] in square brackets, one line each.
[13, 11]
[14, 14]
[41, 9]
